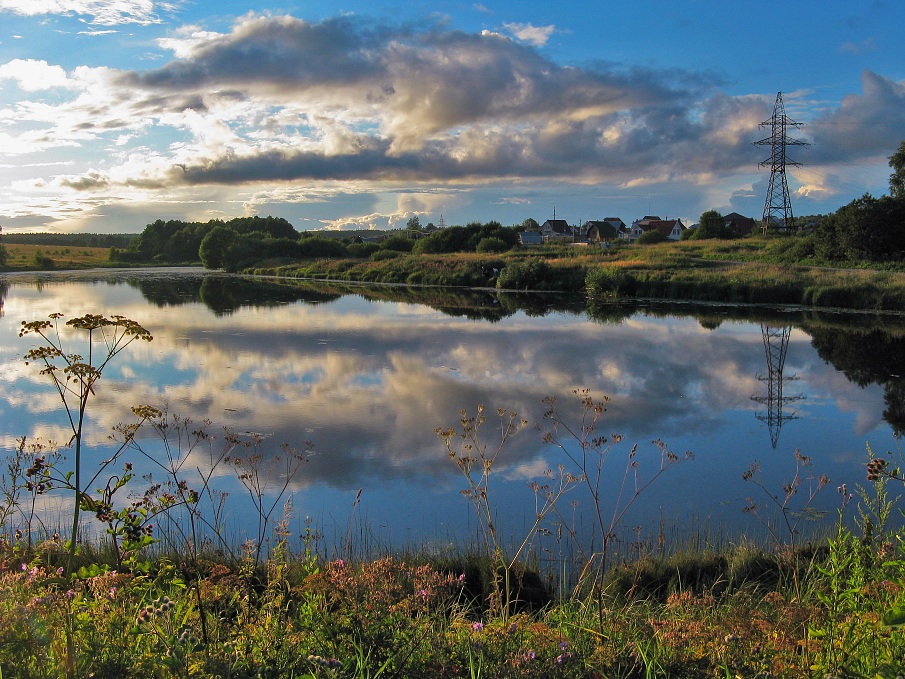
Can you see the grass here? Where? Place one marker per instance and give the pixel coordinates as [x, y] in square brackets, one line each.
[298, 615]
[30, 257]
[749, 271]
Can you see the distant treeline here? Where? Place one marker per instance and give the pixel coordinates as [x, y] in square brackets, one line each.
[243, 242]
[74, 240]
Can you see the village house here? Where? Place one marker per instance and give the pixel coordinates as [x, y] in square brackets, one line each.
[602, 231]
[556, 229]
[671, 228]
[743, 226]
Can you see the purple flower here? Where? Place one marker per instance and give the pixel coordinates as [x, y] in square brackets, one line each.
[478, 626]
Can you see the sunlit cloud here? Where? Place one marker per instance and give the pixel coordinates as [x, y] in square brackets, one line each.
[528, 33]
[102, 12]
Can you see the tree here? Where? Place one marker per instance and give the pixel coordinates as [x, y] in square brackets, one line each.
[710, 225]
[530, 225]
[413, 224]
[215, 245]
[2, 251]
[868, 228]
[897, 178]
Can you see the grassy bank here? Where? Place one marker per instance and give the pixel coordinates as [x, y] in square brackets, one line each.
[747, 612]
[751, 271]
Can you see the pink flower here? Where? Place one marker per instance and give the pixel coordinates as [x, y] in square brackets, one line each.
[478, 626]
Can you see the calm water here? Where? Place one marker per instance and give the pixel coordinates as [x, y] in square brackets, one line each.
[366, 375]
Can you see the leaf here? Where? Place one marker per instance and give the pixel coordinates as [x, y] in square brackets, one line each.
[895, 617]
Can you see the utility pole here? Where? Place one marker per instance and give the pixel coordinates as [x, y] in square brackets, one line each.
[778, 206]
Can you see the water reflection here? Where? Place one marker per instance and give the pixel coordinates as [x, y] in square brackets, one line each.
[776, 345]
[367, 374]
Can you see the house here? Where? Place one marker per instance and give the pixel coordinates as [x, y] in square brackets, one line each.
[671, 228]
[743, 226]
[529, 238]
[600, 231]
[556, 229]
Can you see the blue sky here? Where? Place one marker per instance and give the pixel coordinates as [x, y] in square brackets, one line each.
[347, 114]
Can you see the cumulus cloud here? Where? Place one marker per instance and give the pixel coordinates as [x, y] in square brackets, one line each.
[280, 102]
[864, 124]
[32, 75]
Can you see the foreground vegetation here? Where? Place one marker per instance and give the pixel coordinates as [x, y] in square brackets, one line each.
[165, 593]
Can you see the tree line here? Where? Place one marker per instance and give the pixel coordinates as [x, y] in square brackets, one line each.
[239, 243]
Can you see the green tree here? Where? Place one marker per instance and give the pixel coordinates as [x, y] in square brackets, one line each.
[897, 178]
[710, 225]
[215, 246]
[3, 254]
[868, 228]
[413, 224]
[530, 224]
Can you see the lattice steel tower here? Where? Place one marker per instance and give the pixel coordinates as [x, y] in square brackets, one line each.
[776, 344]
[777, 206]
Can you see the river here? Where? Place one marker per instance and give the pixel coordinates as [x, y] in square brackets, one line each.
[360, 378]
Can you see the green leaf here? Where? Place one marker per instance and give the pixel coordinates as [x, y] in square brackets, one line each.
[895, 617]
[91, 571]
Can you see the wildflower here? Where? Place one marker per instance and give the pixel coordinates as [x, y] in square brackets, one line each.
[478, 626]
[423, 594]
[512, 628]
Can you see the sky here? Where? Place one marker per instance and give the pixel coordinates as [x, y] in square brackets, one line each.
[361, 114]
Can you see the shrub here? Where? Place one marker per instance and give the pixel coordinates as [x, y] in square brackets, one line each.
[607, 281]
[492, 245]
[526, 275]
[382, 255]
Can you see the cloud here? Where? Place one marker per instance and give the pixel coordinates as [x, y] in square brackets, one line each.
[33, 76]
[102, 12]
[864, 125]
[286, 106]
[533, 35]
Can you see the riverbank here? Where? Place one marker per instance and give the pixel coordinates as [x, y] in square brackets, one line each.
[750, 271]
[834, 610]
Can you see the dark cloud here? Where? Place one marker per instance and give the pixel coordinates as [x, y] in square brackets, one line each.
[864, 125]
[347, 100]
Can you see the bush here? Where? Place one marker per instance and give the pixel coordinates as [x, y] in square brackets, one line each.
[398, 243]
[382, 255]
[42, 261]
[527, 275]
[607, 281]
[492, 245]
[651, 237]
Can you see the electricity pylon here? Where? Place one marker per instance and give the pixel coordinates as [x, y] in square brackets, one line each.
[776, 344]
[778, 206]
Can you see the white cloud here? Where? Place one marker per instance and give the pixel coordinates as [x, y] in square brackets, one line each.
[533, 35]
[103, 12]
[32, 75]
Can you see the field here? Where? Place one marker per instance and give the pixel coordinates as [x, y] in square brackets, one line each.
[26, 257]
